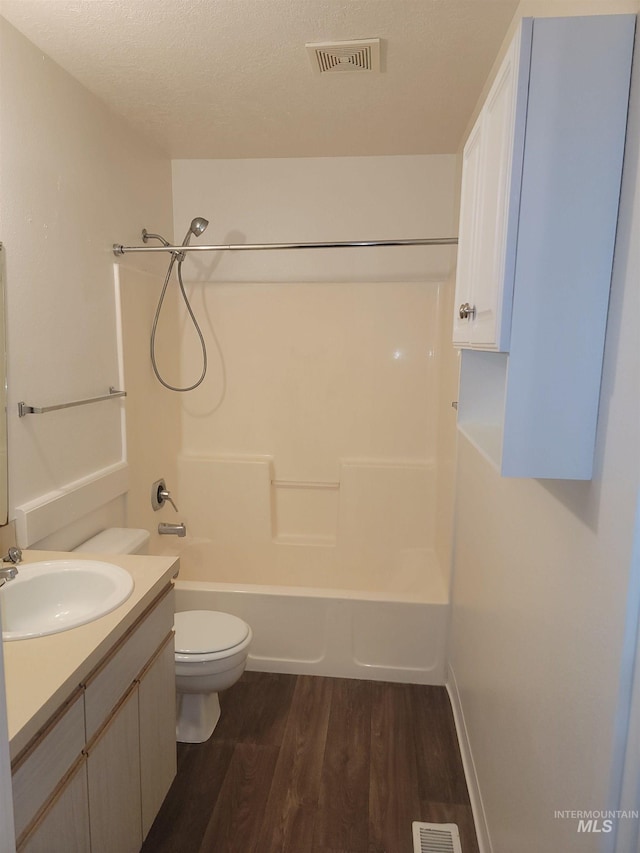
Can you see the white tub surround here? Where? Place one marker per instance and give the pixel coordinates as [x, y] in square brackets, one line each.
[309, 454]
[366, 525]
[42, 673]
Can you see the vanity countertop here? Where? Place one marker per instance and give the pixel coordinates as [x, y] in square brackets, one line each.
[41, 673]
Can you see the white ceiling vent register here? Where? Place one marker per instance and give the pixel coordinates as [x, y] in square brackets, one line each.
[338, 57]
[436, 838]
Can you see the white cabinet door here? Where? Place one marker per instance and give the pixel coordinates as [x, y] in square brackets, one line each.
[114, 783]
[468, 228]
[492, 290]
[46, 762]
[157, 701]
[64, 827]
[491, 177]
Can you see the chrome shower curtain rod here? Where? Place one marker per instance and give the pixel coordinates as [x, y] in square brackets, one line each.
[119, 249]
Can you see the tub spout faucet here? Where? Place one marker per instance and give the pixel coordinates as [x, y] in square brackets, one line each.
[165, 529]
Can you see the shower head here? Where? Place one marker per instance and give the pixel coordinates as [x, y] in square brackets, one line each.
[198, 225]
[196, 228]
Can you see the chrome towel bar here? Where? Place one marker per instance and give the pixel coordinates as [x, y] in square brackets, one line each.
[24, 409]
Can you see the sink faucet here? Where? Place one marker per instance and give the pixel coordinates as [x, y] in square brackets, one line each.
[7, 574]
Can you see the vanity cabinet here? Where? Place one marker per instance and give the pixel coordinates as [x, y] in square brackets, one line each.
[95, 777]
[540, 191]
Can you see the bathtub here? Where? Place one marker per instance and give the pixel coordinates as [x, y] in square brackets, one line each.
[396, 633]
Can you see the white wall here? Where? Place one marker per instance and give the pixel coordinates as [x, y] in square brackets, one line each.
[541, 575]
[318, 199]
[74, 180]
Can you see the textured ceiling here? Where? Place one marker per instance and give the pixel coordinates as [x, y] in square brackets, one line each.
[231, 78]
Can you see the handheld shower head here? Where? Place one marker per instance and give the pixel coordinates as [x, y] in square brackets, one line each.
[197, 227]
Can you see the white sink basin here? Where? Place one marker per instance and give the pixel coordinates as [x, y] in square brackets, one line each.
[54, 595]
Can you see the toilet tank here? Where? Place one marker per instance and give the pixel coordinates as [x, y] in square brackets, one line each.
[117, 540]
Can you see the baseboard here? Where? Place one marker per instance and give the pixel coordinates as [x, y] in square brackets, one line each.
[477, 806]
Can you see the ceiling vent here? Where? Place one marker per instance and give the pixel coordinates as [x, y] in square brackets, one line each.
[338, 57]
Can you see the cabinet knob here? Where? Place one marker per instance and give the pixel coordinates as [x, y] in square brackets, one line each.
[466, 311]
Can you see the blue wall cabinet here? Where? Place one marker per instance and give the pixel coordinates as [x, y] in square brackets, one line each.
[540, 190]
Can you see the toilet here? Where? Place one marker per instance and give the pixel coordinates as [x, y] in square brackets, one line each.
[117, 540]
[211, 654]
[211, 647]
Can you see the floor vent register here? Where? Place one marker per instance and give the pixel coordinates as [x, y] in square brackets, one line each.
[436, 838]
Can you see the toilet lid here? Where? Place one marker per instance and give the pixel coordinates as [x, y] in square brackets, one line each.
[202, 631]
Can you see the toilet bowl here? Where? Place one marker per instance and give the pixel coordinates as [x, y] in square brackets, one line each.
[211, 648]
[211, 655]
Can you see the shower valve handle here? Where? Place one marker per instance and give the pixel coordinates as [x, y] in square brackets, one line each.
[165, 495]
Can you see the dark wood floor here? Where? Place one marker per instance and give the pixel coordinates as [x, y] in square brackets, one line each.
[300, 764]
